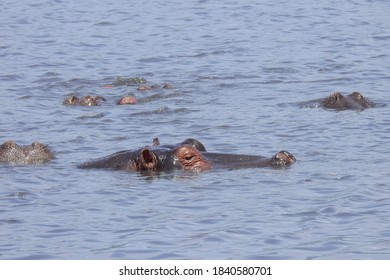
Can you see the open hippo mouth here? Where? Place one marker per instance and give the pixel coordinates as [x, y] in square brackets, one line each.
[148, 160]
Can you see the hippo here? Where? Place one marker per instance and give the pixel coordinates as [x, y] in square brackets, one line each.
[189, 155]
[146, 87]
[140, 82]
[355, 101]
[128, 81]
[151, 87]
[127, 99]
[167, 86]
[87, 100]
[35, 153]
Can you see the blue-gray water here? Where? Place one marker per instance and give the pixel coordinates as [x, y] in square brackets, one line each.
[242, 72]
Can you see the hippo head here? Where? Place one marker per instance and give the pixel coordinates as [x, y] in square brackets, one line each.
[36, 153]
[183, 157]
[127, 99]
[187, 157]
[335, 101]
[71, 100]
[283, 158]
[89, 100]
[361, 100]
[354, 101]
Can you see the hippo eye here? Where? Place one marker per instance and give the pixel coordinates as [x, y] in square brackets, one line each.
[189, 157]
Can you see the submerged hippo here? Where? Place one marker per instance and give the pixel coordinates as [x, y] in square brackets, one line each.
[354, 101]
[151, 87]
[129, 81]
[35, 153]
[87, 100]
[184, 156]
[127, 99]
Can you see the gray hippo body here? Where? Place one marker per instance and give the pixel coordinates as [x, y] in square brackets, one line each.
[133, 160]
[188, 155]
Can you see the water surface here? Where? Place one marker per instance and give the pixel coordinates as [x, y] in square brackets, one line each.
[241, 71]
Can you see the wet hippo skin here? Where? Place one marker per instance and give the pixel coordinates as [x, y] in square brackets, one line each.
[355, 101]
[35, 153]
[188, 155]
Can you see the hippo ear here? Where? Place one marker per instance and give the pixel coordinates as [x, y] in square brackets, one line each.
[156, 142]
[148, 160]
[357, 95]
[336, 96]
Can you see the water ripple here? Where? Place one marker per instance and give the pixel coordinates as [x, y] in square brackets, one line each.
[247, 79]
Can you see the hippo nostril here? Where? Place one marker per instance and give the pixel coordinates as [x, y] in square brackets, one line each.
[148, 160]
[146, 155]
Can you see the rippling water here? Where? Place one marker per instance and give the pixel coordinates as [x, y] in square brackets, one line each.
[242, 73]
